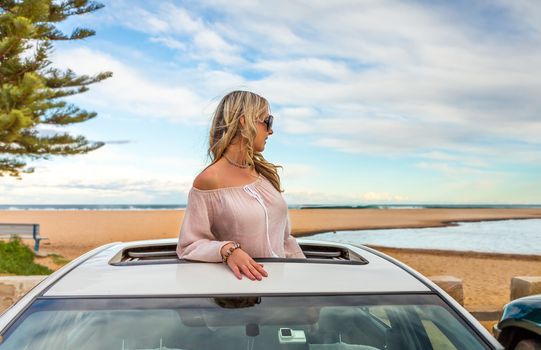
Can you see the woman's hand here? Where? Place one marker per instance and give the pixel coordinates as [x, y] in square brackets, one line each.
[242, 264]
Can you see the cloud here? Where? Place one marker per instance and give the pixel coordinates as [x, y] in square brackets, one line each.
[169, 42]
[448, 81]
[130, 91]
[105, 176]
[307, 68]
[179, 29]
[119, 142]
[526, 13]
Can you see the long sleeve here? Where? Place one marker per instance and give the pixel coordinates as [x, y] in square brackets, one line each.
[196, 240]
[291, 247]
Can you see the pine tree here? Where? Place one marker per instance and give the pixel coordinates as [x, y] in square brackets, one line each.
[31, 91]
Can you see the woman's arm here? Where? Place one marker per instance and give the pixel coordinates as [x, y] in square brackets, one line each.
[196, 240]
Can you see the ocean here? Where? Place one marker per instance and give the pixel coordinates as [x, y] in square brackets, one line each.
[502, 236]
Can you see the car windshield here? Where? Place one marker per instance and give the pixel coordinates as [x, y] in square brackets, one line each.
[413, 321]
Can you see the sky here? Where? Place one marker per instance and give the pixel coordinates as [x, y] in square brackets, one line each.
[375, 101]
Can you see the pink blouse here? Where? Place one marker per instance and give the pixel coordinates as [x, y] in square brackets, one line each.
[254, 215]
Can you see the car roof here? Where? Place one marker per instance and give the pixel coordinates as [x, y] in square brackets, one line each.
[106, 274]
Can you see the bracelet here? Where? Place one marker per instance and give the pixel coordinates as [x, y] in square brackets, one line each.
[230, 251]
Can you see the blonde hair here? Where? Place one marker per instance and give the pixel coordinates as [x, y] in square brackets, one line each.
[226, 126]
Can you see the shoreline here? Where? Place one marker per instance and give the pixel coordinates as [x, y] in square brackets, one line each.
[443, 224]
[457, 253]
[321, 220]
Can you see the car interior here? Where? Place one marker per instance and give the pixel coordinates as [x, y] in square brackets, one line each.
[322, 322]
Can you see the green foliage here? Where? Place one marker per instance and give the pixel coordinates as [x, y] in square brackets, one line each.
[18, 259]
[59, 259]
[31, 90]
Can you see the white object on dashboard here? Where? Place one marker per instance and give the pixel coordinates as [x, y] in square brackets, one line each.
[291, 336]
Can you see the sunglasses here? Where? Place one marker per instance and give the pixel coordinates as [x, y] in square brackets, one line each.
[268, 122]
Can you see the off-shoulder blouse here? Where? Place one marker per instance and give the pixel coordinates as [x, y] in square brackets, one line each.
[254, 215]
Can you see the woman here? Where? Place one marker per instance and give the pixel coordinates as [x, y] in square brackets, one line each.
[235, 208]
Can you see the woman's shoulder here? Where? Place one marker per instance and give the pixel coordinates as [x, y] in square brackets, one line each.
[208, 179]
[216, 178]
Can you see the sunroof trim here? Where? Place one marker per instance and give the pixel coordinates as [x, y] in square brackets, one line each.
[151, 254]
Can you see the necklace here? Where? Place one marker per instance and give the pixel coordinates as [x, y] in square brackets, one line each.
[232, 162]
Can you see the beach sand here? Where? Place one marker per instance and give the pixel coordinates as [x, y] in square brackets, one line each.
[486, 277]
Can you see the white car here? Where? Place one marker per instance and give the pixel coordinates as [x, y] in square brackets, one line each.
[139, 295]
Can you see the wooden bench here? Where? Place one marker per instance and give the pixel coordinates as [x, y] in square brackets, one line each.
[23, 231]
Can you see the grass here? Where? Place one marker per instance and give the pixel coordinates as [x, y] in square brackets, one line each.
[59, 259]
[18, 259]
